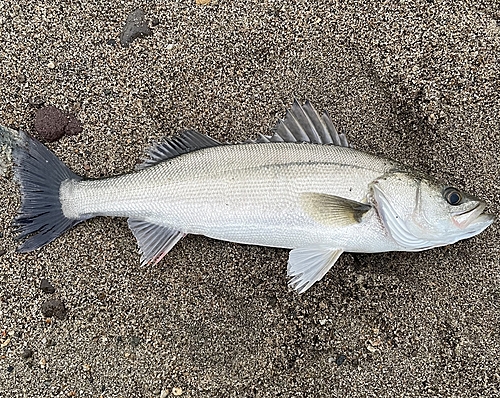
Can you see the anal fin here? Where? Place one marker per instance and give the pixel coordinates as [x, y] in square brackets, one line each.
[309, 265]
[154, 241]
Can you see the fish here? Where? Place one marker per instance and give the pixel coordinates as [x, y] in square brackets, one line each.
[303, 188]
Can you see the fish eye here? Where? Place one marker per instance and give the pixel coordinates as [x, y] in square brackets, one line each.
[452, 196]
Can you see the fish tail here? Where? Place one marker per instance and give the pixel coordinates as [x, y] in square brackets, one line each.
[39, 173]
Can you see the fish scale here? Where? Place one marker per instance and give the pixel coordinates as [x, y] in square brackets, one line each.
[247, 193]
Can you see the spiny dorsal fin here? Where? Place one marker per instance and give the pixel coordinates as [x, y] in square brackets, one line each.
[188, 141]
[304, 124]
[333, 210]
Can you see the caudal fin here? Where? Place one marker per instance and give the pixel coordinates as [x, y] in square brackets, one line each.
[39, 172]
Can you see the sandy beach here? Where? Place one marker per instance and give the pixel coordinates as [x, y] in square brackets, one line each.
[417, 82]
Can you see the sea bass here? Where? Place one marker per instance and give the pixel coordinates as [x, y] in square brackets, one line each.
[302, 188]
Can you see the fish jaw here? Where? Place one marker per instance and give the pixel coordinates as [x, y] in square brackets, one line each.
[475, 223]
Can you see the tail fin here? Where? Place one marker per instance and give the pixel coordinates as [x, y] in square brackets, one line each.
[39, 173]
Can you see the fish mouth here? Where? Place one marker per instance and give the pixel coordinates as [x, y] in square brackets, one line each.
[474, 219]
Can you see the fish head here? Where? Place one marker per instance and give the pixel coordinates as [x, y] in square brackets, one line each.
[420, 213]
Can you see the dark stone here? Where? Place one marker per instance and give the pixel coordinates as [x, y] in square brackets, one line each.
[135, 341]
[54, 308]
[52, 123]
[111, 42]
[50, 343]
[135, 27]
[21, 78]
[74, 126]
[27, 353]
[47, 287]
[155, 21]
[10, 368]
[340, 359]
[2, 252]
[37, 102]
[272, 300]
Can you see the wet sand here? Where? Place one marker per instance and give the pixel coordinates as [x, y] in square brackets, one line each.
[417, 82]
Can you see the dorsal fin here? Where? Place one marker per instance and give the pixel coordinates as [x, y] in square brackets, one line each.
[188, 141]
[302, 123]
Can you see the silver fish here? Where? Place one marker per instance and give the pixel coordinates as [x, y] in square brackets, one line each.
[303, 188]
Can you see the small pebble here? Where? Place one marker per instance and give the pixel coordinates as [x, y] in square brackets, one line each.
[86, 367]
[340, 359]
[21, 78]
[74, 126]
[54, 308]
[50, 343]
[51, 65]
[155, 21]
[2, 252]
[37, 102]
[111, 42]
[135, 27]
[177, 391]
[170, 46]
[52, 123]
[163, 394]
[10, 368]
[27, 353]
[46, 286]
[135, 341]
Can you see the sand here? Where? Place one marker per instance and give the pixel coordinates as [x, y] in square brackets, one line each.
[414, 81]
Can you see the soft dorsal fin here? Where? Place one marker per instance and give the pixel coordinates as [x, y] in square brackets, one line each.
[302, 123]
[154, 240]
[188, 141]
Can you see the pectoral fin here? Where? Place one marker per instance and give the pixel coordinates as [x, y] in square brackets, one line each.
[155, 241]
[333, 210]
[309, 265]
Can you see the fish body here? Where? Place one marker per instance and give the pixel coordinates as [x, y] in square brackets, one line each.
[302, 188]
[253, 194]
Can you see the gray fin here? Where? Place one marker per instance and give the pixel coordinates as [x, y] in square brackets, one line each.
[154, 240]
[188, 141]
[332, 210]
[40, 173]
[307, 265]
[304, 124]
